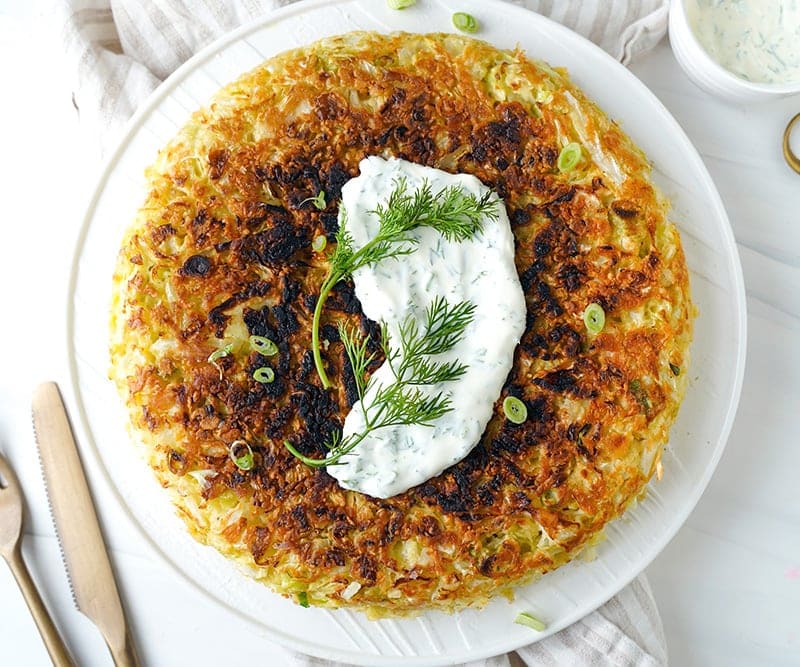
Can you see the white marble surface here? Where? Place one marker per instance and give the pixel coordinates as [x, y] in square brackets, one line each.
[728, 585]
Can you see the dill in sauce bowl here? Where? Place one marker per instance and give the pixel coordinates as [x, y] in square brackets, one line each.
[757, 40]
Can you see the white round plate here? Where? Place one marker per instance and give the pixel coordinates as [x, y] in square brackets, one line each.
[697, 439]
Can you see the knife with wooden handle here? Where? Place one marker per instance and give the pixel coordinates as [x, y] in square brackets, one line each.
[82, 547]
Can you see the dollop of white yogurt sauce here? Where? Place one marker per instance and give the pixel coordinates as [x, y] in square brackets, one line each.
[758, 40]
[481, 270]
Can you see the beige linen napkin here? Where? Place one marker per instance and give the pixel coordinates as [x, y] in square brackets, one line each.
[122, 50]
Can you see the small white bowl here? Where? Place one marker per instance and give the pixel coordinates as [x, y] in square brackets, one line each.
[710, 75]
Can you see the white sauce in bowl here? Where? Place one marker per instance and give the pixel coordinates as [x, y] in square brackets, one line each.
[481, 270]
[758, 40]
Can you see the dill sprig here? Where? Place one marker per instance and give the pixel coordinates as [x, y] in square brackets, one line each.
[402, 401]
[456, 215]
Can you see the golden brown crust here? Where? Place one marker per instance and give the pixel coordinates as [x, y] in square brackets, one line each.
[222, 250]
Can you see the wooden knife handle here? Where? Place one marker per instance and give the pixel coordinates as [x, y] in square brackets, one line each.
[52, 639]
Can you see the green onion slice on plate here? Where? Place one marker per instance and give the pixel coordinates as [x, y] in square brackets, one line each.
[263, 346]
[215, 356]
[526, 619]
[264, 375]
[569, 156]
[241, 454]
[221, 352]
[319, 243]
[317, 200]
[465, 22]
[594, 317]
[515, 410]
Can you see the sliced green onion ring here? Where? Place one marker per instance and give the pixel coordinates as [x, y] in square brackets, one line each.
[263, 346]
[676, 370]
[465, 22]
[569, 156]
[528, 620]
[217, 355]
[241, 454]
[264, 375]
[594, 317]
[400, 4]
[221, 352]
[302, 599]
[515, 410]
[317, 200]
[319, 243]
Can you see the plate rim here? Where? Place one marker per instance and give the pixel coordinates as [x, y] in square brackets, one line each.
[276, 634]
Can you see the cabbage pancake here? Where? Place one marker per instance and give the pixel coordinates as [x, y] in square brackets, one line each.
[222, 250]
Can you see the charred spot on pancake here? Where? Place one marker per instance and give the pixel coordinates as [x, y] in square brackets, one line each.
[330, 223]
[519, 216]
[271, 247]
[570, 277]
[258, 322]
[546, 300]
[196, 265]
[285, 319]
[330, 106]
[530, 275]
[218, 318]
[506, 442]
[623, 209]
[335, 178]
[330, 333]
[278, 420]
[317, 413]
[565, 381]
[343, 298]
[349, 381]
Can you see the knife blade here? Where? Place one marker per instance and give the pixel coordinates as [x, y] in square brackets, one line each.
[83, 549]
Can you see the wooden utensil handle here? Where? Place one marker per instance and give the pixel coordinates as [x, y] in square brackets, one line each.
[52, 639]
